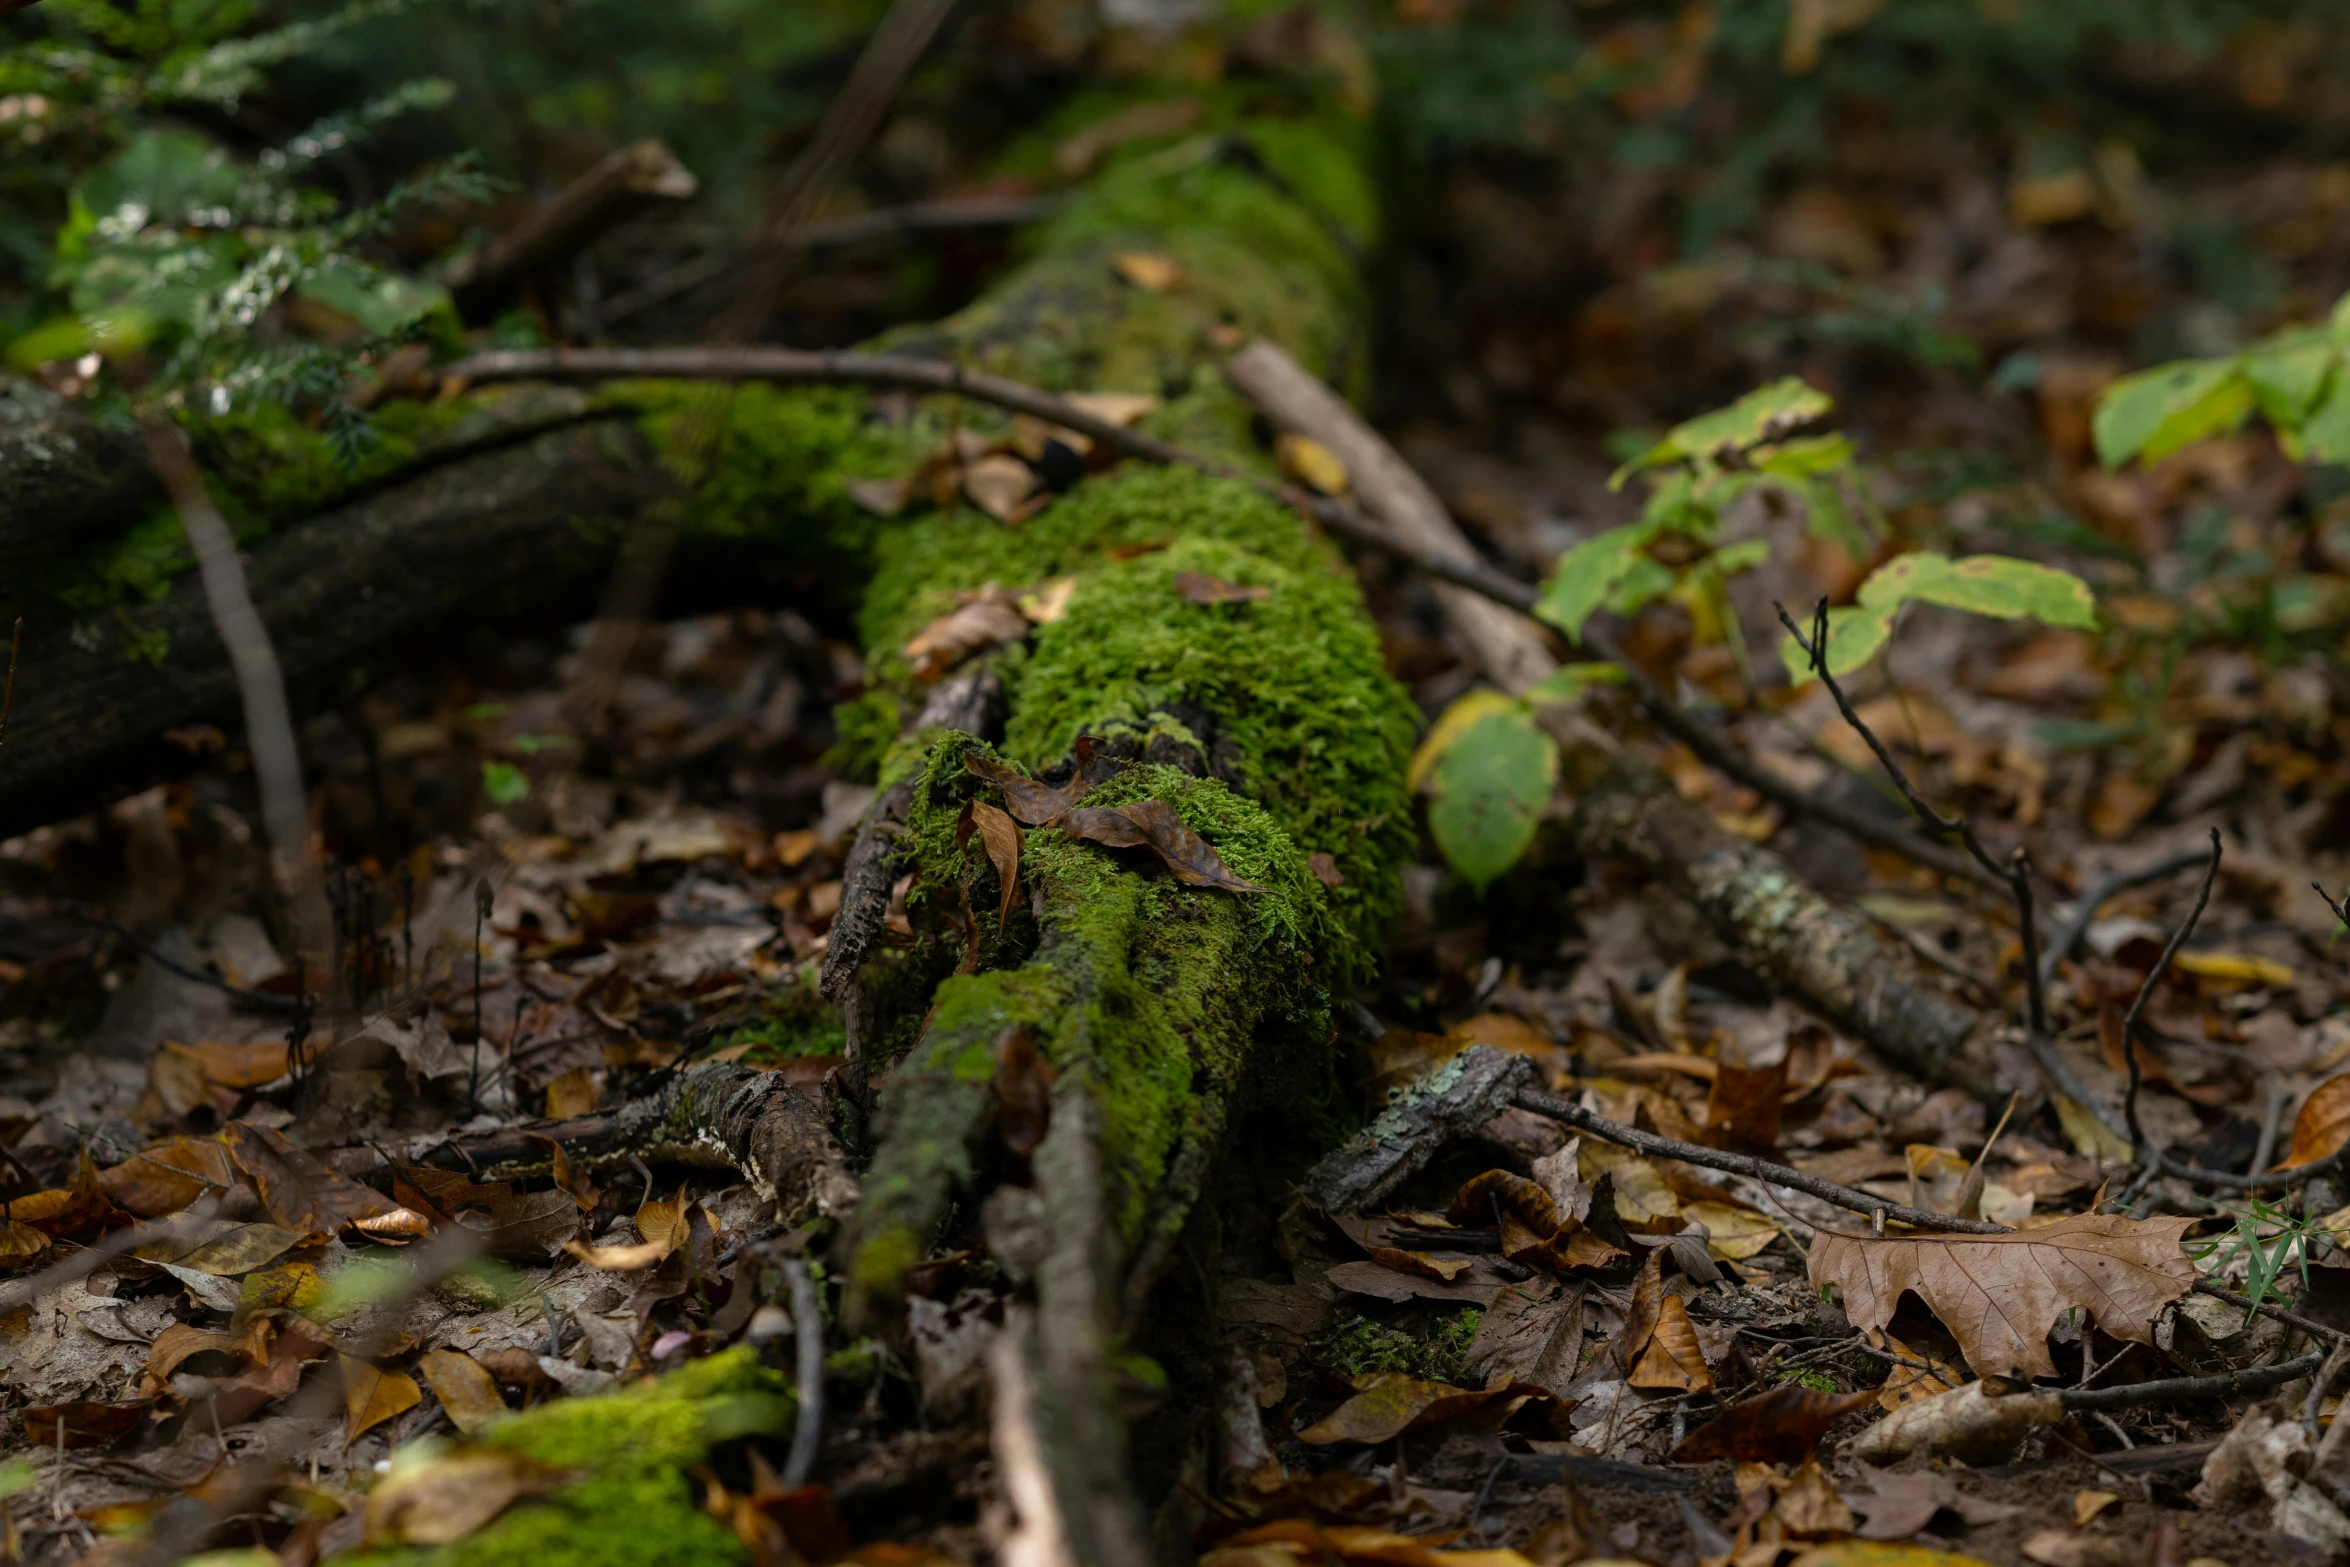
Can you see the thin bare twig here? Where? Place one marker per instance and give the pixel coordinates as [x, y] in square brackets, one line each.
[2314, 1404]
[2084, 913]
[2223, 1384]
[1877, 1208]
[808, 1344]
[261, 681]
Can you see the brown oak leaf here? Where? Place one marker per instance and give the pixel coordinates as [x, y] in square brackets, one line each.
[1030, 800]
[2000, 1294]
[1153, 825]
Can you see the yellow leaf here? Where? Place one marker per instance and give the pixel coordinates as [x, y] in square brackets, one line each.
[2088, 1504]
[1311, 464]
[372, 1395]
[2237, 969]
[1870, 1553]
[1731, 1234]
[1145, 270]
[1450, 725]
[1048, 603]
[466, 1390]
[1643, 1200]
[438, 1498]
[2088, 1135]
[1672, 1361]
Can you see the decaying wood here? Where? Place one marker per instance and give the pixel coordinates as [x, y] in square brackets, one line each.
[63, 475]
[1511, 649]
[1448, 1105]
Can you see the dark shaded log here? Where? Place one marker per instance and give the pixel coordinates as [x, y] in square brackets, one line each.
[63, 476]
[499, 529]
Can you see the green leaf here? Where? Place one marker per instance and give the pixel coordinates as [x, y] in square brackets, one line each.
[1568, 682]
[1854, 636]
[504, 783]
[1465, 710]
[1806, 458]
[2288, 372]
[1489, 792]
[1646, 580]
[2325, 435]
[2155, 412]
[1587, 574]
[1742, 556]
[381, 302]
[1999, 586]
[1767, 413]
[1996, 585]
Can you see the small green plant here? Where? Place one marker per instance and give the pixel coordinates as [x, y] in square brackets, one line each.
[2270, 1240]
[175, 266]
[1360, 1346]
[2295, 379]
[1486, 765]
[1817, 1381]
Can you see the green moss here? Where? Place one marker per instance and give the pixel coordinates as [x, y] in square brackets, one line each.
[1362, 1346]
[797, 1021]
[635, 1501]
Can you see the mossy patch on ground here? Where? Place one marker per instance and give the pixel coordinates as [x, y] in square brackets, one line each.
[635, 1502]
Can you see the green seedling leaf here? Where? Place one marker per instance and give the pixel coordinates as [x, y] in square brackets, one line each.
[2288, 373]
[2325, 435]
[1467, 710]
[1489, 792]
[1995, 585]
[2156, 412]
[1768, 413]
[504, 783]
[1646, 580]
[1588, 574]
[1568, 682]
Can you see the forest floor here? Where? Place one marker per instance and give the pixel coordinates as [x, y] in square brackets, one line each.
[532, 931]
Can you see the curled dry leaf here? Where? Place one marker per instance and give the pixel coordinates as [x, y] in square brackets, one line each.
[465, 1388]
[1001, 835]
[1907, 1383]
[1643, 1200]
[1962, 1423]
[1197, 587]
[1324, 865]
[1809, 1508]
[1004, 487]
[1023, 1091]
[2000, 1294]
[2323, 1125]
[1048, 603]
[235, 1065]
[20, 1243]
[303, 1194]
[223, 1248]
[372, 1395]
[65, 1210]
[1153, 825]
[1029, 800]
[447, 1497]
[1781, 1426]
[1672, 1361]
[984, 623]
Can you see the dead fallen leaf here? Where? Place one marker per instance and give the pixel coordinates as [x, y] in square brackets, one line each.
[1393, 1404]
[2219, 972]
[303, 1194]
[572, 1093]
[1643, 1200]
[235, 1065]
[2323, 1125]
[1672, 1361]
[1004, 487]
[82, 1424]
[169, 1176]
[1311, 464]
[180, 1342]
[1781, 1426]
[1324, 865]
[466, 1390]
[224, 1248]
[279, 1352]
[1001, 835]
[20, 1243]
[1532, 1333]
[1899, 1505]
[372, 1395]
[451, 1496]
[1023, 1092]
[1906, 1384]
[1197, 587]
[1809, 1508]
[2088, 1504]
[1048, 603]
[1153, 825]
[1146, 270]
[1732, 1233]
[2000, 1294]
[1030, 801]
[1742, 1110]
[566, 1176]
[970, 628]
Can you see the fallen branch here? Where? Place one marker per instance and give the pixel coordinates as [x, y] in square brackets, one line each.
[2220, 1384]
[809, 367]
[619, 187]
